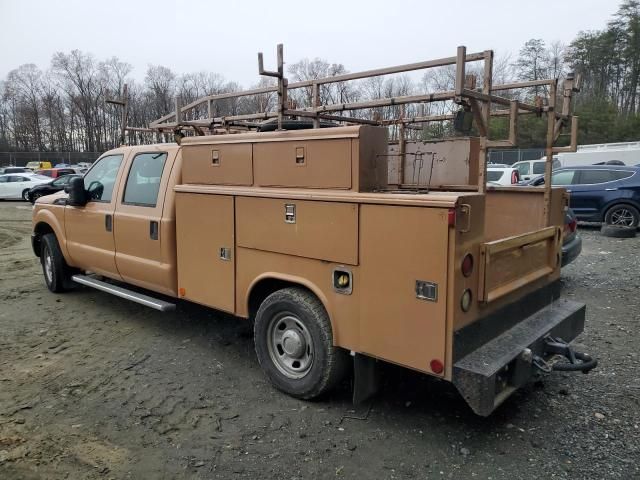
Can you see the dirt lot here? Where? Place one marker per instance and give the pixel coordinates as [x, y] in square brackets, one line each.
[92, 386]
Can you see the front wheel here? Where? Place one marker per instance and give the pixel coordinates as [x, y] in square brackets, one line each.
[294, 344]
[622, 215]
[57, 274]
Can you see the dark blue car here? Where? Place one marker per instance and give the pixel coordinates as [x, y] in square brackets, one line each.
[601, 193]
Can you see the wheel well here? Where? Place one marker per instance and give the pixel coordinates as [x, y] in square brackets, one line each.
[266, 287]
[40, 229]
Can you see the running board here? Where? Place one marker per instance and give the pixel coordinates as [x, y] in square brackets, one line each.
[145, 300]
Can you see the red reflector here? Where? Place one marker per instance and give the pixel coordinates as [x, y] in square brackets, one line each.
[436, 366]
[467, 265]
[452, 217]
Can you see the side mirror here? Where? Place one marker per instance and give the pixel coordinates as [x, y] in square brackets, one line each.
[77, 194]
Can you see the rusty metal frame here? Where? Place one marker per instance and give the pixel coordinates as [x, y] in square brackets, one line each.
[484, 104]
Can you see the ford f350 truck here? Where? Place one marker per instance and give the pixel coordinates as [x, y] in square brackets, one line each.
[307, 234]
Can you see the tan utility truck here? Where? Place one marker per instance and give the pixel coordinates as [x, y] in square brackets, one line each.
[316, 236]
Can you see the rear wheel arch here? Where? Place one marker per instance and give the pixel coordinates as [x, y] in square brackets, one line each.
[266, 284]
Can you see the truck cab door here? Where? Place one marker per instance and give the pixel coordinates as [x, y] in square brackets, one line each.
[144, 238]
[89, 229]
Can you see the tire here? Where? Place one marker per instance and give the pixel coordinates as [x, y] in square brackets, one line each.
[311, 365]
[622, 214]
[618, 231]
[34, 197]
[25, 195]
[57, 274]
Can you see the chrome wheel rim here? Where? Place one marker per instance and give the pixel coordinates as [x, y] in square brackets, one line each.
[622, 216]
[290, 345]
[48, 266]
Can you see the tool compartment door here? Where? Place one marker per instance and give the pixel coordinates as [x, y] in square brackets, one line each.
[400, 246]
[206, 253]
[303, 163]
[311, 229]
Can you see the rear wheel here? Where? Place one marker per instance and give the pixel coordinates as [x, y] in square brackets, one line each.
[25, 195]
[294, 344]
[623, 215]
[57, 274]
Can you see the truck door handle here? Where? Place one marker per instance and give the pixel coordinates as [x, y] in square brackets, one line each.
[108, 223]
[153, 230]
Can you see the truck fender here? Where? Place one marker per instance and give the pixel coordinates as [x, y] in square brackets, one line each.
[46, 221]
[287, 280]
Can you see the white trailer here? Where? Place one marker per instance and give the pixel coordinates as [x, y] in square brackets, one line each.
[625, 152]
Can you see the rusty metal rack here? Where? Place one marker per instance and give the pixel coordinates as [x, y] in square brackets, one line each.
[481, 103]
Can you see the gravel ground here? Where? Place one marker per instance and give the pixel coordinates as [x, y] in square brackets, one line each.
[92, 386]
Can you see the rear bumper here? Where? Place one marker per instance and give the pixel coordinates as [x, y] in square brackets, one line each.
[489, 374]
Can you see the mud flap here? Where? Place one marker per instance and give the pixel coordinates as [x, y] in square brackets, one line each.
[488, 375]
[366, 378]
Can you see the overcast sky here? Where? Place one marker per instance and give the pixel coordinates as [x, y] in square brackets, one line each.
[224, 36]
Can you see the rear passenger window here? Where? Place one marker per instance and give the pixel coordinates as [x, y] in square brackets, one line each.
[143, 182]
[590, 177]
[538, 168]
[620, 174]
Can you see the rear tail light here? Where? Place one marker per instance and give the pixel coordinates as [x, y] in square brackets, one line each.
[570, 227]
[467, 265]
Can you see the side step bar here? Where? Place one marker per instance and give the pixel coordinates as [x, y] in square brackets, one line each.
[145, 300]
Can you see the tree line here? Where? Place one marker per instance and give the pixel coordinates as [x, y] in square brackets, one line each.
[63, 107]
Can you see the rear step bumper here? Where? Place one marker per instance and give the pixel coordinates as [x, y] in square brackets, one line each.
[488, 375]
[145, 300]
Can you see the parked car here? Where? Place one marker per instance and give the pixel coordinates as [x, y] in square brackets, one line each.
[529, 169]
[503, 175]
[571, 242]
[17, 185]
[52, 186]
[14, 170]
[56, 172]
[607, 193]
[33, 166]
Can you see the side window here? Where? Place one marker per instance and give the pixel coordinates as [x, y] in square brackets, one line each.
[4, 179]
[100, 180]
[591, 177]
[143, 182]
[620, 174]
[563, 178]
[538, 167]
[63, 180]
[523, 169]
[556, 164]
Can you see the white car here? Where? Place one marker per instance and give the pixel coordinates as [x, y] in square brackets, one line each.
[502, 175]
[17, 185]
